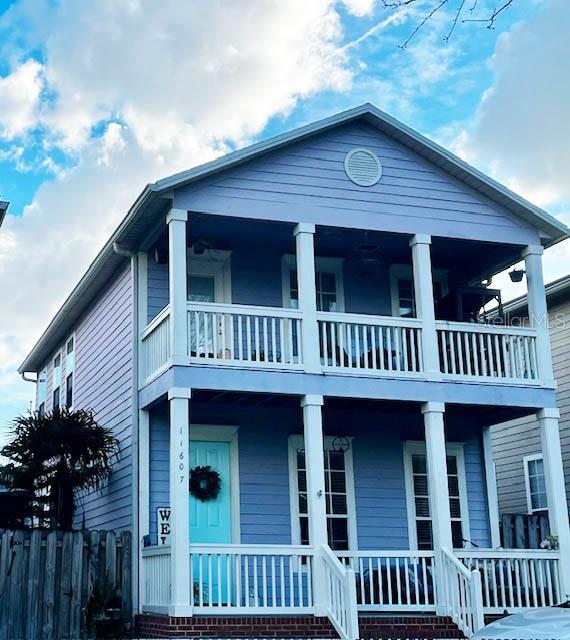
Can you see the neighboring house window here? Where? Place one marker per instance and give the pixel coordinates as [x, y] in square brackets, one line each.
[419, 514]
[535, 483]
[328, 280]
[41, 399]
[69, 371]
[339, 495]
[402, 289]
[56, 381]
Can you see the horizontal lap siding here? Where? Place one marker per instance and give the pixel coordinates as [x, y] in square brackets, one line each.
[103, 383]
[264, 477]
[514, 440]
[307, 180]
[157, 287]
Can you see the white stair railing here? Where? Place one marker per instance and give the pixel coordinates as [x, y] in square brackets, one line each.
[461, 594]
[341, 595]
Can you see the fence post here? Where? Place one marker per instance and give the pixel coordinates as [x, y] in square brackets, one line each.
[353, 631]
[476, 600]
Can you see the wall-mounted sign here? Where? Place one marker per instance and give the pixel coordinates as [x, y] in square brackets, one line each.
[163, 526]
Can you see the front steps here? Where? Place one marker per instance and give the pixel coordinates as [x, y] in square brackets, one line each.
[372, 627]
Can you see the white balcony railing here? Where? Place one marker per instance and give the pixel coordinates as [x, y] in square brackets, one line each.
[155, 344]
[341, 595]
[487, 351]
[156, 579]
[515, 579]
[271, 338]
[376, 345]
[392, 580]
[229, 334]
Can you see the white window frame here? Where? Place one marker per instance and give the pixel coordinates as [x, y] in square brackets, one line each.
[224, 433]
[214, 263]
[452, 449]
[61, 373]
[526, 460]
[405, 271]
[327, 265]
[65, 371]
[298, 442]
[43, 383]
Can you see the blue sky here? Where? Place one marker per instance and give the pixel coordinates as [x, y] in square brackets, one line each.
[98, 98]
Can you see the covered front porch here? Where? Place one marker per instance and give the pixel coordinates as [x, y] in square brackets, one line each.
[330, 508]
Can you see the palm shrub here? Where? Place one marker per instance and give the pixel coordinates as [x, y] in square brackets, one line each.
[56, 454]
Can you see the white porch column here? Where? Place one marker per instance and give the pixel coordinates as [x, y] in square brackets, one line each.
[181, 602]
[556, 491]
[177, 279]
[423, 295]
[438, 489]
[143, 506]
[305, 246]
[436, 458]
[537, 309]
[492, 495]
[316, 502]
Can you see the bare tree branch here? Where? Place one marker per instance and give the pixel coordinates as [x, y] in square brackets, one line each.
[459, 8]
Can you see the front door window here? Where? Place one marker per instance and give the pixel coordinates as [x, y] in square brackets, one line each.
[201, 288]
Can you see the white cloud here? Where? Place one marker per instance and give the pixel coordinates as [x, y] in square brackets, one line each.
[359, 7]
[171, 84]
[19, 99]
[522, 122]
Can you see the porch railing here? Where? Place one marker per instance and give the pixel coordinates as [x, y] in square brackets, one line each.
[486, 351]
[515, 579]
[156, 590]
[341, 595]
[370, 344]
[230, 334]
[252, 579]
[461, 594]
[155, 344]
[392, 580]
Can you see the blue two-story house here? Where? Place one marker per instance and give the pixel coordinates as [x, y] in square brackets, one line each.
[292, 345]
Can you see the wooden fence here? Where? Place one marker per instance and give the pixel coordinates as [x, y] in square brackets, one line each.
[53, 584]
[523, 531]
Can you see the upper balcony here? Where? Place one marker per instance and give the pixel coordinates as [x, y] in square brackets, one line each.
[271, 296]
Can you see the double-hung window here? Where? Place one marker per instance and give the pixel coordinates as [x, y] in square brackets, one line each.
[417, 489]
[328, 281]
[402, 289]
[339, 494]
[535, 483]
[41, 397]
[56, 396]
[69, 371]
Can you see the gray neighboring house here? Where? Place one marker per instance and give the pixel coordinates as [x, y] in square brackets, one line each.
[516, 444]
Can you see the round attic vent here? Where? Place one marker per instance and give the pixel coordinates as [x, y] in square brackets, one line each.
[363, 167]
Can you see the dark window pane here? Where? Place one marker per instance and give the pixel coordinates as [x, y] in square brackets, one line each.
[302, 503]
[455, 507]
[452, 465]
[302, 480]
[423, 530]
[421, 485]
[300, 458]
[56, 398]
[339, 504]
[336, 460]
[457, 535]
[422, 507]
[419, 463]
[69, 391]
[304, 526]
[338, 533]
[328, 502]
[338, 482]
[453, 484]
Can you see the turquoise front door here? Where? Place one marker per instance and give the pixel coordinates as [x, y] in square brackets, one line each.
[211, 523]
